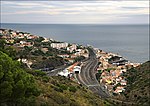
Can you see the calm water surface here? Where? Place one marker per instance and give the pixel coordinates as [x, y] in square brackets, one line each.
[130, 41]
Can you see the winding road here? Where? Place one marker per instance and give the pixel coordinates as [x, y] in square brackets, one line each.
[87, 76]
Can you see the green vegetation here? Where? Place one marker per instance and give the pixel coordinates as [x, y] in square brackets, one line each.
[98, 75]
[39, 58]
[17, 87]
[51, 62]
[60, 91]
[2, 43]
[22, 87]
[79, 58]
[109, 69]
[7, 49]
[138, 82]
[40, 39]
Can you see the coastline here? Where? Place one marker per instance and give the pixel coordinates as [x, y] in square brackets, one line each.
[108, 65]
[115, 53]
[129, 41]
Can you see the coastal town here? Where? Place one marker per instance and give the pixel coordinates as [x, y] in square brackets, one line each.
[22, 40]
[74, 53]
[112, 66]
[36, 52]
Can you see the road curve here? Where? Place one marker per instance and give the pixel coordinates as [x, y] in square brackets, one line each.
[87, 76]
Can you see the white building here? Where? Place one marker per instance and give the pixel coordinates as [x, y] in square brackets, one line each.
[64, 73]
[77, 69]
[45, 40]
[59, 45]
[64, 56]
[23, 42]
[72, 47]
[1, 31]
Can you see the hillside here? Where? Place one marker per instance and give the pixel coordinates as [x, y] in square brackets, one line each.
[137, 90]
[38, 52]
[59, 91]
[24, 87]
[138, 84]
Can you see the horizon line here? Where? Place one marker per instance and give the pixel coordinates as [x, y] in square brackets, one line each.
[83, 23]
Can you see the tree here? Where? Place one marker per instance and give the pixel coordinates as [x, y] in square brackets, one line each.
[1, 72]
[11, 52]
[19, 89]
[79, 58]
[8, 50]
[16, 84]
[39, 39]
[28, 49]
[2, 43]
[6, 91]
[72, 89]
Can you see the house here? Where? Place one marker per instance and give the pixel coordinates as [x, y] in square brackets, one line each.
[10, 41]
[1, 31]
[118, 73]
[24, 43]
[20, 35]
[64, 55]
[45, 40]
[72, 48]
[59, 45]
[108, 81]
[71, 60]
[44, 50]
[73, 56]
[119, 89]
[76, 69]
[123, 82]
[13, 34]
[32, 37]
[64, 73]
[26, 34]
[77, 54]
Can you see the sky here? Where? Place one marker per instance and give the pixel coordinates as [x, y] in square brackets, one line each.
[75, 12]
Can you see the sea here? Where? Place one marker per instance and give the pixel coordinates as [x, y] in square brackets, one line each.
[130, 41]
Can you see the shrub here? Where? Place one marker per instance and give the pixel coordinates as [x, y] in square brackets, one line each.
[72, 89]
[45, 79]
[63, 87]
[58, 89]
[39, 73]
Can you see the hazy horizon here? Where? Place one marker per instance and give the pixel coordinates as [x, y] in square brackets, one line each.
[82, 23]
[75, 12]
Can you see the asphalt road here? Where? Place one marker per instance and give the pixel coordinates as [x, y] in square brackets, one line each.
[87, 76]
[56, 71]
